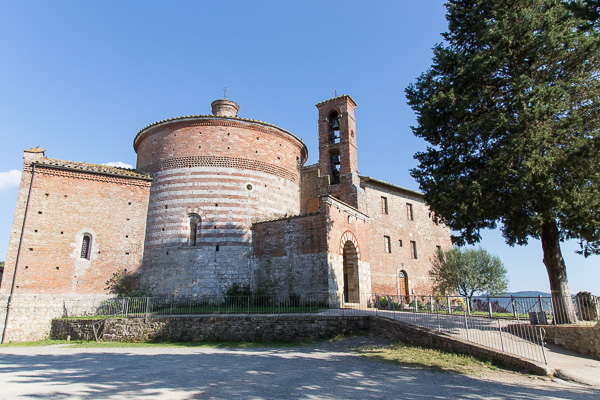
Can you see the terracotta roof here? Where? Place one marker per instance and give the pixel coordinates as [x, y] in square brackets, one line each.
[35, 150]
[93, 168]
[335, 98]
[216, 117]
[392, 186]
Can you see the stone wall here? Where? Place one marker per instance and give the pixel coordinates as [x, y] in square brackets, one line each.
[309, 189]
[582, 339]
[291, 255]
[304, 254]
[30, 315]
[214, 328]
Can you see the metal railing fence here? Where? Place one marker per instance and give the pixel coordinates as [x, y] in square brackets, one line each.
[514, 325]
[172, 306]
[456, 317]
[535, 310]
[538, 310]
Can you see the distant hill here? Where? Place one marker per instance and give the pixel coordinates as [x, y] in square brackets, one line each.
[528, 293]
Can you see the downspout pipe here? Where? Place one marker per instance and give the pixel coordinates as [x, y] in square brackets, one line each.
[14, 278]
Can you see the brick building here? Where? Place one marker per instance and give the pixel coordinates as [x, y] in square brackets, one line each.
[218, 199]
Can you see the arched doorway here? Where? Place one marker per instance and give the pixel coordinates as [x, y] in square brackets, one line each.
[403, 284]
[351, 287]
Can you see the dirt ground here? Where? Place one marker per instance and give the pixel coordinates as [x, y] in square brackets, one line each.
[324, 370]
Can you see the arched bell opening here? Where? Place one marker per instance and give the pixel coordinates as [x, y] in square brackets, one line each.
[334, 151]
[334, 127]
[351, 287]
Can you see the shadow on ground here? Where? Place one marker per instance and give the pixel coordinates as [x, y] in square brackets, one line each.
[308, 372]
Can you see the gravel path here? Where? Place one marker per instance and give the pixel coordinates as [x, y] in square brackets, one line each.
[327, 370]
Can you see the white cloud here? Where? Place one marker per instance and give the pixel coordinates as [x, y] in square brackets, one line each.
[119, 164]
[10, 179]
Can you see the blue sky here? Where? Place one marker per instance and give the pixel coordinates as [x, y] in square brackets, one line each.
[81, 78]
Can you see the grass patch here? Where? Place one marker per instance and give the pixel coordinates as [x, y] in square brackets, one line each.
[46, 342]
[425, 358]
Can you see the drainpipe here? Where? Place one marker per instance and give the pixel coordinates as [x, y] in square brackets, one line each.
[14, 279]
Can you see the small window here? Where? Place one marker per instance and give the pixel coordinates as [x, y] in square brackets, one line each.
[409, 212]
[194, 228]
[86, 245]
[400, 243]
[387, 244]
[413, 250]
[384, 205]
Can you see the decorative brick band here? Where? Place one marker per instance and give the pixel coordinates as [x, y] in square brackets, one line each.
[349, 236]
[221, 162]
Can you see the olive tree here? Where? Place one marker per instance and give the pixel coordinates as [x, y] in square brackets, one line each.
[468, 272]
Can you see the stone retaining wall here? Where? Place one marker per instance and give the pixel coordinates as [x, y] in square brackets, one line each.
[31, 316]
[582, 339]
[276, 328]
[213, 328]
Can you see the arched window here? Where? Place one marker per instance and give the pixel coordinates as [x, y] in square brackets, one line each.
[194, 229]
[86, 246]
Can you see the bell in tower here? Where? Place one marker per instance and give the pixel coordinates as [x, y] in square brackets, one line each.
[335, 169]
[334, 122]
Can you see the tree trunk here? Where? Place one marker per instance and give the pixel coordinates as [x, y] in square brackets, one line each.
[557, 272]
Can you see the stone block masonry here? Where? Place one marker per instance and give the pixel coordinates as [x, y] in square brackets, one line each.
[582, 339]
[31, 315]
[210, 328]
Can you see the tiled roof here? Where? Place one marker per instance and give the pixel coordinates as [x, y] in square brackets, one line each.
[335, 98]
[94, 168]
[217, 117]
[392, 186]
[35, 150]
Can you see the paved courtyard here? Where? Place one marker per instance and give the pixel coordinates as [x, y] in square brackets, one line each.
[328, 370]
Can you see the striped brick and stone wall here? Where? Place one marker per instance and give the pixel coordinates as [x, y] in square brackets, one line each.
[228, 173]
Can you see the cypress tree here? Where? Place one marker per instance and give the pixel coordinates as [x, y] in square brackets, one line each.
[510, 108]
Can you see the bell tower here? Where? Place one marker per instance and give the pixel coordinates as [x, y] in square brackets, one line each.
[337, 149]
